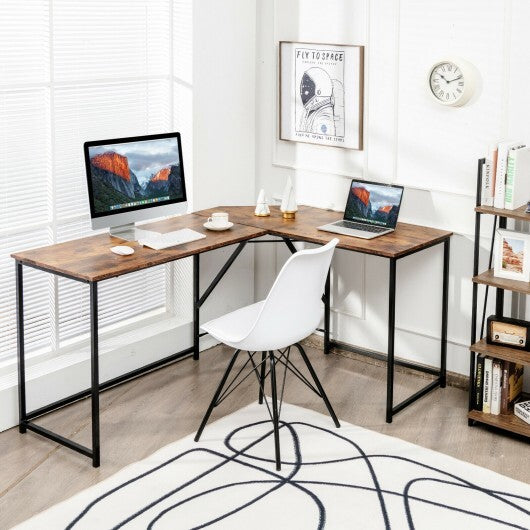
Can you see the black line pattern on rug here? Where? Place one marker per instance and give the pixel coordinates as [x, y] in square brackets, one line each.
[277, 481]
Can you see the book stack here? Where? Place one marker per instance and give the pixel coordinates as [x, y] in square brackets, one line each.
[498, 385]
[506, 176]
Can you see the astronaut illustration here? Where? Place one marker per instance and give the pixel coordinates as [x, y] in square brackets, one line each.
[323, 101]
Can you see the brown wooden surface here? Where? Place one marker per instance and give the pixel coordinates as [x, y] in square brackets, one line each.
[501, 352]
[487, 278]
[406, 239]
[90, 258]
[518, 213]
[508, 422]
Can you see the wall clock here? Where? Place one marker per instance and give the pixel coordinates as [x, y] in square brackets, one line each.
[452, 81]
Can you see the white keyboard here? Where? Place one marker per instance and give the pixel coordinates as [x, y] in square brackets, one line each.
[158, 241]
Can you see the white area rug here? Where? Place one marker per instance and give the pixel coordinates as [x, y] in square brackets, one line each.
[331, 478]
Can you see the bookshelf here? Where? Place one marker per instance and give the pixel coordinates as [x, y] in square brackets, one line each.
[485, 277]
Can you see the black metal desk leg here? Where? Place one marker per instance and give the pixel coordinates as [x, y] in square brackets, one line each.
[196, 305]
[391, 333]
[20, 349]
[327, 290]
[445, 303]
[94, 364]
[499, 303]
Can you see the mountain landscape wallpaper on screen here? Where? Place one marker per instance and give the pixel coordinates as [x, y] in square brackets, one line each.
[124, 176]
[378, 204]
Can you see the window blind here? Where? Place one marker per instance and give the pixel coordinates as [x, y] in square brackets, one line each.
[72, 71]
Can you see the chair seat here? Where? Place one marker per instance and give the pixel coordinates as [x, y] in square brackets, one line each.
[233, 327]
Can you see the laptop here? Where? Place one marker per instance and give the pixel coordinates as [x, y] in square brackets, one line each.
[371, 210]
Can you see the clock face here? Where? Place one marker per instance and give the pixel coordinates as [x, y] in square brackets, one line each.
[447, 83]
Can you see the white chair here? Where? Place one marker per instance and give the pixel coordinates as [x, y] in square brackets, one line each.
[291, 312]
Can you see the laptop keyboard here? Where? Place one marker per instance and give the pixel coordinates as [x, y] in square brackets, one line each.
[361, 226]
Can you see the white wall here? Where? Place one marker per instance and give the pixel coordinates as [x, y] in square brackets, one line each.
[224, 51]
[409, 139]
[224, 101]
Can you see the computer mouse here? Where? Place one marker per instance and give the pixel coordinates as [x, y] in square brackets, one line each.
[122, 250]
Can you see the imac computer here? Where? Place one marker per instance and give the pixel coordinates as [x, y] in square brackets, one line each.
[134, 179]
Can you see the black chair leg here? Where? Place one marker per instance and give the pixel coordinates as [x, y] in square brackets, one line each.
[262, 376]
[275, 419]
[318, 385]
[216, 395]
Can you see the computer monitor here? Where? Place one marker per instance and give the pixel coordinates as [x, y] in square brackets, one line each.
[134, 179]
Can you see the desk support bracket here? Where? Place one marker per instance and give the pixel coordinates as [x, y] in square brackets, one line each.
[198, 300]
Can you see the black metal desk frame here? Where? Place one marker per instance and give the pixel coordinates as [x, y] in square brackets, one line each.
[441, 374]
[26, 418]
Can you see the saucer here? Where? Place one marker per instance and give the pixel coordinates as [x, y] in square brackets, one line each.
[210, 226]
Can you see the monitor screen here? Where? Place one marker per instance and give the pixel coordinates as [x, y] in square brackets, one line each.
[372, 203]
[134, 173]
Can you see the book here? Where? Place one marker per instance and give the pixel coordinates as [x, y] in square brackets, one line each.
[514, 386]
[495, 405]
[517, 191]
[505, 383]
[486, 396]
[500, 173]
[522, 410]
[479, 382]
[494, 152]
[486, 194]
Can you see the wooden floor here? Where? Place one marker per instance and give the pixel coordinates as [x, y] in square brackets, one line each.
[141, 416]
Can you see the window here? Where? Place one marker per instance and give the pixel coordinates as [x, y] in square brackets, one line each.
[72, 71]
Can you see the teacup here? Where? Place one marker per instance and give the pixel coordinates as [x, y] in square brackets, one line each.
[218, 219]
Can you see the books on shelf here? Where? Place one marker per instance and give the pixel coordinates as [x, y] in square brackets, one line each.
[495, 407]
[517, 190]
[488, 177]
[486, 395]
[498, 385]
[506, 176]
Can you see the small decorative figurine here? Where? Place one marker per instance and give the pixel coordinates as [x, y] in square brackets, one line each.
[288, 206]
[262, 208]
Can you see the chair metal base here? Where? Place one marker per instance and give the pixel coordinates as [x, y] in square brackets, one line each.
[261, 373]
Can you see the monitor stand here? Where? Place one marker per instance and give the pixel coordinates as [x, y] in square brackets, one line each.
[129, 232]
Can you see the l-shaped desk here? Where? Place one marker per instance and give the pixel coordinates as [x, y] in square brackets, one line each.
[90, 261]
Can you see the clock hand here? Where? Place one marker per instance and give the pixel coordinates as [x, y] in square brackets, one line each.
[455, 79]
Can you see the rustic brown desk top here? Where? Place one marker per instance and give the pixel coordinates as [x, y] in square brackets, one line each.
[405, 240]
[90, 259]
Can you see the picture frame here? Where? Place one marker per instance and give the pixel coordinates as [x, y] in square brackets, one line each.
[321, 92]
[512, 255]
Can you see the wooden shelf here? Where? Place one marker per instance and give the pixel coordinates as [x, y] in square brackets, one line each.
[501, 352]
[508, 422]
[518, 213]
[487, 278]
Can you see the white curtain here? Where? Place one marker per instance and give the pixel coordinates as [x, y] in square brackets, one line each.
[72, 71]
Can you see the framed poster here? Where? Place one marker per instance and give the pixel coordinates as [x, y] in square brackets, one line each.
[321, 94]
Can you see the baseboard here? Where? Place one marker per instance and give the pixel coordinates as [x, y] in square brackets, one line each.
[69, 372]
[453, 378]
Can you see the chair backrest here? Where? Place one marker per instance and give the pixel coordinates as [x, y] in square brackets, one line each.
[293, 307]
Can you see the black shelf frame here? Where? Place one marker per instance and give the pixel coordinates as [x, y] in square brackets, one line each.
[501, 221]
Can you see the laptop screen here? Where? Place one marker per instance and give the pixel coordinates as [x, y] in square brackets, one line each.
[372, 203]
